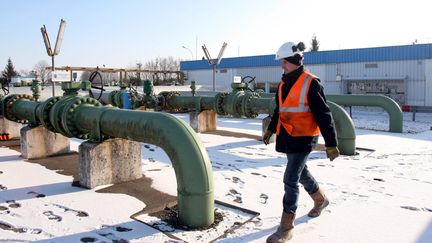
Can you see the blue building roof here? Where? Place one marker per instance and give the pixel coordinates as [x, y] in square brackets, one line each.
[375, 54]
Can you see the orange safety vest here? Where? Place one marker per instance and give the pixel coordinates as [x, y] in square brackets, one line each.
[294, 113]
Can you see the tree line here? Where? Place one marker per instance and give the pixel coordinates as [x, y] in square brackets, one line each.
[160, 64]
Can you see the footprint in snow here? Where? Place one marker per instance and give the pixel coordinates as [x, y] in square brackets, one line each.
[52, 216]
[88, 239]
[258, 174]
[4, 210]
[113, 237]
[236, 195]
[117, 228]
[412, 208]
[78, 213]
[13, 204]
[237, 180]
[36, 194]
[9, 227]
[263, 198]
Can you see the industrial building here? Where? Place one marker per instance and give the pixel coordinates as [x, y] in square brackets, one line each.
[403, 73]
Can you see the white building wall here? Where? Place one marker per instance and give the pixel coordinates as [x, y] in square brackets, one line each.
[204, 78]
[428, 83]
[416, 73]
[263, 74]
[412, 71]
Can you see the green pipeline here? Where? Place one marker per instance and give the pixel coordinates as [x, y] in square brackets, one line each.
[388, 104]
[79, 116]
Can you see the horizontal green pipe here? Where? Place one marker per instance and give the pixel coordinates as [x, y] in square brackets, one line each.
[188, 156]
[25, 109]
[263, 105]
[388, 104]
[192, 102]
[345, 129]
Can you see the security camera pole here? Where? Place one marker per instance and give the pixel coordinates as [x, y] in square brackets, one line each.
[56, 48]
[214, 63]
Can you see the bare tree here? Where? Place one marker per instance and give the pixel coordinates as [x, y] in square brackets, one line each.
[41, 71]
[162, 64]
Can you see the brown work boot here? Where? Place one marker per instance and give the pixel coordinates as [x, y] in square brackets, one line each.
[320, 202]
[285, 230]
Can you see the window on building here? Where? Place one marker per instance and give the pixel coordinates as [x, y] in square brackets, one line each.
[223, 71]
[371, 65]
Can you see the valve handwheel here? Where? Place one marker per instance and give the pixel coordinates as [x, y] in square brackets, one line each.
[97, 85]
[250, 80]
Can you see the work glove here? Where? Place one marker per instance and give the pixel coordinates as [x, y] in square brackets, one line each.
[332, 153]
[267, 136]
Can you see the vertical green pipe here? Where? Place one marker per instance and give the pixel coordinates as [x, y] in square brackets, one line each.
[345, 129]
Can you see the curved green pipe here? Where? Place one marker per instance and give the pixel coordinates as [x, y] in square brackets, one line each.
[388, 104]
[188, 156]
[345, 129]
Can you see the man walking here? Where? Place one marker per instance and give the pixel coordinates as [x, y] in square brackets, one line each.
[300, 115]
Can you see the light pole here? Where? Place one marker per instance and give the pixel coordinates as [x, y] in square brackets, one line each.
[184, 47]
[56, 51]
[214, 63]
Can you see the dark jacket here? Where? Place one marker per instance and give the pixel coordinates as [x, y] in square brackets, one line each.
[320, 110]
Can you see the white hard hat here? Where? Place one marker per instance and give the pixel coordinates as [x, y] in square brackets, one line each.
[290, 49]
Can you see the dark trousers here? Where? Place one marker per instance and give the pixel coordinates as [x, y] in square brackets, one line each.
[296, 171]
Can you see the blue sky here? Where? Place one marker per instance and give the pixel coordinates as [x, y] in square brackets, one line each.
[120, 33]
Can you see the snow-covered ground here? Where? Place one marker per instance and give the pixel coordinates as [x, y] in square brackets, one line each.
[381, 196]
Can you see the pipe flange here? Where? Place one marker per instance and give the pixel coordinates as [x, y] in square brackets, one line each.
[220, 97]
[57, 111]
[8, 103]
[247, 108]
[67, 116]
[114, 98]
[44, 110]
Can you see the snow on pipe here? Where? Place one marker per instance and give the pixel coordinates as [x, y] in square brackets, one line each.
[388, 104]
[77, 116]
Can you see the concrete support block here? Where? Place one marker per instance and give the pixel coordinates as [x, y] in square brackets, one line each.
[203, 121]
[39, 142]
[109, 162]
[265, 123]
[13, 128]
